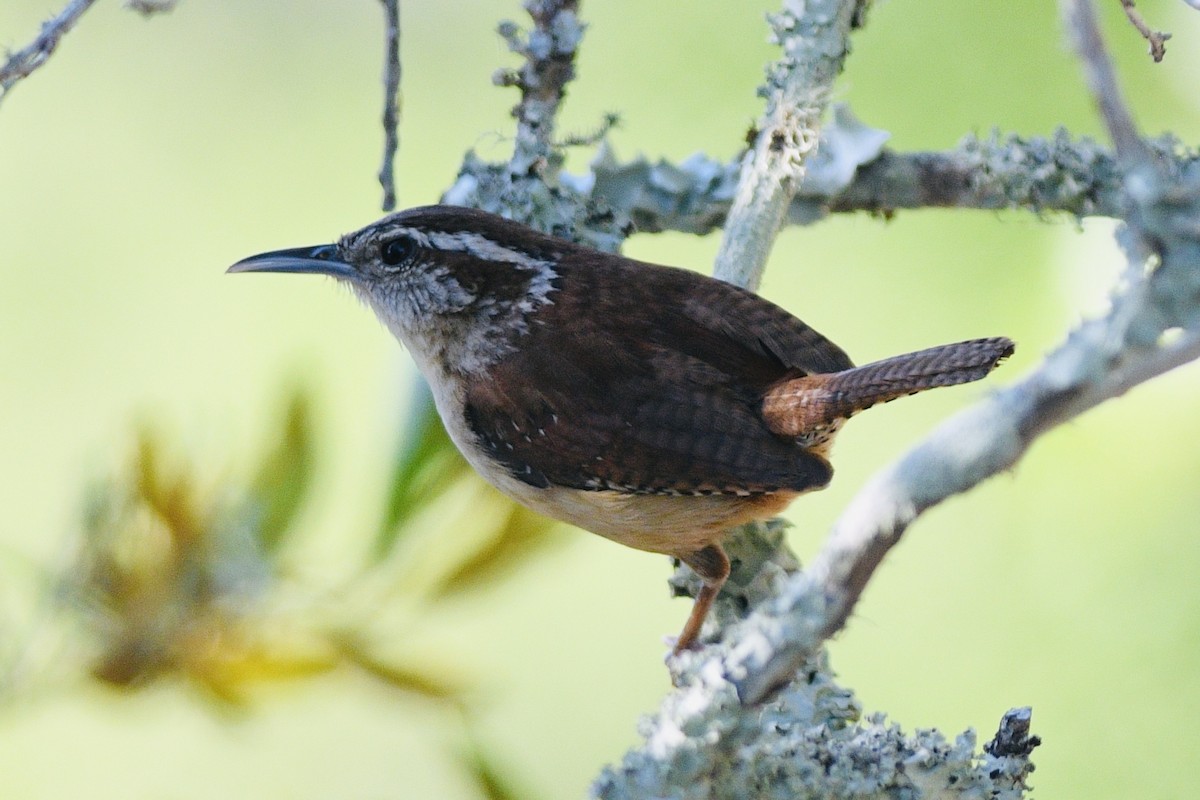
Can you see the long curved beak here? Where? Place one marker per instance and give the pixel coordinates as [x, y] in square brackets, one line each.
[324, 259]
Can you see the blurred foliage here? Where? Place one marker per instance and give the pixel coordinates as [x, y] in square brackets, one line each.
[492, 781]
[284, 477]
[425, 465]
[176, 577]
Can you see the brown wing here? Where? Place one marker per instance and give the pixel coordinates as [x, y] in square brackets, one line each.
[650, 386]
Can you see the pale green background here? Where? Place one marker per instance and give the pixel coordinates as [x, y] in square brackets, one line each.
[149, 155]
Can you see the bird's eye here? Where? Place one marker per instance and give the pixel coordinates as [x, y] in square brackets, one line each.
[397, 251]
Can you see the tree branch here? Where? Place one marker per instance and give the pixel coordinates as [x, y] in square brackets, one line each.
[1100, 360]
[549, 51]
[761, 664]
[815, 41]
[25, 61]
[1084, 31]
[528, 188]
[1075, 176]
[391, 101]
[1156, 39]
[850, 171]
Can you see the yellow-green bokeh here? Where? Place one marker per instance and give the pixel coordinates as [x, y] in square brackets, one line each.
[148, 155]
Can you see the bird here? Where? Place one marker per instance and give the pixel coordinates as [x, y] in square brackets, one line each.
[652, 405]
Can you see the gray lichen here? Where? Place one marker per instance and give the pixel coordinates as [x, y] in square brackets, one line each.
[850, 171]
[812, 740]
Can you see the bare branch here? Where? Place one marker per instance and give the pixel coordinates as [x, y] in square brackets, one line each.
[1157, 39]
[22, 63]
[391, 101]
[815, 41]
[1084, 31]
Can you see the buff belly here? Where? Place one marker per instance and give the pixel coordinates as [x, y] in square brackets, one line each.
[677, 525]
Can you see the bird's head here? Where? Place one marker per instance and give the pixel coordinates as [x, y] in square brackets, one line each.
[452, 283]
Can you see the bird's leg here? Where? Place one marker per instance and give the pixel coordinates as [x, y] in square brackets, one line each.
[712, 565]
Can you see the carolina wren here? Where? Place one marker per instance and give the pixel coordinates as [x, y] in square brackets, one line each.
[654, 406]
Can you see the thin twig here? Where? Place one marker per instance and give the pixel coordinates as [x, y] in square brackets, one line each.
[391, 102]
[22, 63]
[1157, 39]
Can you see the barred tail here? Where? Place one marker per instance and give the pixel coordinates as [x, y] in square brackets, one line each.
[804, 406]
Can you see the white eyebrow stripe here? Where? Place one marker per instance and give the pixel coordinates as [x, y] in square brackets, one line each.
[476, 244]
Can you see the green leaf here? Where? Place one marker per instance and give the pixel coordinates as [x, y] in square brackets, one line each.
[523, 533]
[168, 496]
[489, 778]
[423, 680]
[285, 474]
[426, 463]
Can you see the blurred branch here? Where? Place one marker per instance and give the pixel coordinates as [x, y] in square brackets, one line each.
[284, 477]
[149, 8]
[1084, 31]
[174, 577]
[25, 61]
[426, 463]
[391, 101]
[815, 38]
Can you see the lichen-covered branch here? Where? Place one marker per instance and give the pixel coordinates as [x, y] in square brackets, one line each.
[529, 187]
[549, 51]
[815, 38]
[1153, 326]
[850, 172]
[707, 730]
[1075, 176]
[1100, 360]
[812, 739]
[24, 62]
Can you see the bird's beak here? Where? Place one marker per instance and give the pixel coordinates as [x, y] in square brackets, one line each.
[324, 259]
